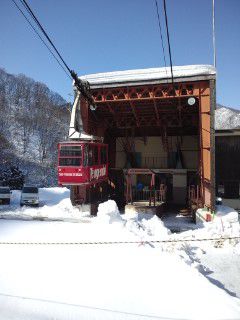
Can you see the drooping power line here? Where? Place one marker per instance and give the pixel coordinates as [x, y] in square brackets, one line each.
[168, 38]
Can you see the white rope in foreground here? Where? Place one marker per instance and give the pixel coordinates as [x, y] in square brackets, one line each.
[116, 242]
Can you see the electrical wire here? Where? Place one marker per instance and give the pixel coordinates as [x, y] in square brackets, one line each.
[37, 33]
[168, 38]
[160, 30]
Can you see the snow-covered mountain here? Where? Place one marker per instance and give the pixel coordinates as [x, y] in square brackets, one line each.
[226, 118]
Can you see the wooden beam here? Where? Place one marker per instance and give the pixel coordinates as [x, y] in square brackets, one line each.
[148, 93]
[156, 112]
[135, 114]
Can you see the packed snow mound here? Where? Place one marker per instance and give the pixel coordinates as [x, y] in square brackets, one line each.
[108, 212]
[226, 214]
[155, 227]
[226, 118]
[226, 222]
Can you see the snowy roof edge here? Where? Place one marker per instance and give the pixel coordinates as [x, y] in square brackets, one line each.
[151, 75]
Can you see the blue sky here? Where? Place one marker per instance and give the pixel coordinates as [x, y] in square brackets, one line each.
[107, 35]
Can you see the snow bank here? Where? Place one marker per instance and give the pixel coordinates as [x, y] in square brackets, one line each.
[110, 225]
[54, 204]
[225, 222]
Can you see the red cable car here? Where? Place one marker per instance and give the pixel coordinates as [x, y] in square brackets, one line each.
[82, 163]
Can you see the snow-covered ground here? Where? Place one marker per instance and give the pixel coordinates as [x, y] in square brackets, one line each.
[142, 280]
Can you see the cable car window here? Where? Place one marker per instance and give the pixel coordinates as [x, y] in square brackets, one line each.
[70, 151]
[86, 155]
[90, 155]
[96, 155]
[75, 162]
[103, 154]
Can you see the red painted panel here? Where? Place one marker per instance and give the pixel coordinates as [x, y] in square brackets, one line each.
[82, 174]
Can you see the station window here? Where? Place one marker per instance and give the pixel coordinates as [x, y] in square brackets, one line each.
[229, 189]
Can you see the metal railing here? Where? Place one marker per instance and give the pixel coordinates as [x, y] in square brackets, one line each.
[145, 195]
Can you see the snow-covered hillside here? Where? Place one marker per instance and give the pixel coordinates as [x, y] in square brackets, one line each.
[35, 120]
[227, 118]
[64, 279]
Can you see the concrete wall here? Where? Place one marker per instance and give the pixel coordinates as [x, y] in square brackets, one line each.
[233, 203]
[153, 154]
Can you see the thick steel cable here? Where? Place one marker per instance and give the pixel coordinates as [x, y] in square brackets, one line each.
[82, 86]
[34, 29]
[44, 32]
[160, 30]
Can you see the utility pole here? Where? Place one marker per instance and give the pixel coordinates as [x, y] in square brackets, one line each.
[213, 26]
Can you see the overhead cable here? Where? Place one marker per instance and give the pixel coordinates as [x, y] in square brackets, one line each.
[40, 37]
[82, 86]
[24, 2]
[160, 30]
[168, 38]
